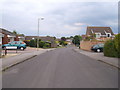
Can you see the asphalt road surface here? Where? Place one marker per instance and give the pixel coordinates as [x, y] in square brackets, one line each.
[61, 68]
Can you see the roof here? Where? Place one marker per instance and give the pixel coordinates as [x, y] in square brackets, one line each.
[4, 31]
[102, 30]
[47, 38]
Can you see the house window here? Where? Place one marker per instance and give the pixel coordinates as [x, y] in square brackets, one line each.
[108, 35]
[98, 35]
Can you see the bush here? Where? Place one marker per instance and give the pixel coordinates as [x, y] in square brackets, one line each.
[42, 44]
[87, 39]
[64, 43]
[117, 43]
[33, 43]
[46, 45]
[27, 42]
[110, 49]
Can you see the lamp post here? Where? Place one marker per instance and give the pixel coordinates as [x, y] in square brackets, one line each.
[38, 32]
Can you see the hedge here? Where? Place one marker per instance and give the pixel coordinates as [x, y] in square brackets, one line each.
[112, 47]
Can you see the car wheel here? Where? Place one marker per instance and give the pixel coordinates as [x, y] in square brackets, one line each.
[98, 50]
[22, 48]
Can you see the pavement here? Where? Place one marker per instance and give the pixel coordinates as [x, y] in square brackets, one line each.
[100, 57]
[61, 68]
[13, 58]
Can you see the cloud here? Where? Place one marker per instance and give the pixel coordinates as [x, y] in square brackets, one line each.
[61, 18]
[79, 24]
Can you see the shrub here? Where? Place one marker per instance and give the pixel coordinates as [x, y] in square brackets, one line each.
[46, 45]
[87, 39]
[117, 43]
[110, 49]
[27, 42]
[41, 44]
[64, 43]
[33, 43]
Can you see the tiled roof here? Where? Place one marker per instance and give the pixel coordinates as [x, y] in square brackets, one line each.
[102, 30]
[42, 38]
[4, 31]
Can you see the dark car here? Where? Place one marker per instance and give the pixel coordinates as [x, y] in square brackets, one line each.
[97, 47]
[19, 44]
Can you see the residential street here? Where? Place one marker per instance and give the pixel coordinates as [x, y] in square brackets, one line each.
[61, 68]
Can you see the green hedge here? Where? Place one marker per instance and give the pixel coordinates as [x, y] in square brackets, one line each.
[33, 43]
[42, 44]
[112, 47]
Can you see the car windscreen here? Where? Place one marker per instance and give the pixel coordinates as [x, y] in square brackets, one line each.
[95, 46]
[101, 45]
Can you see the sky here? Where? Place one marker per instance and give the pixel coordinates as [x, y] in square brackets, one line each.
[61, 17]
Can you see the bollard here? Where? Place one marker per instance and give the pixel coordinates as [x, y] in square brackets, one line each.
[16, 50]
[5, 51]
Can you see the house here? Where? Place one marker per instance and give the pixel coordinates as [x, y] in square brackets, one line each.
[1, 35]
[7, 36]
[21, 37]
[48, 39]
[100, 32]
[69, 41]
[83, 37]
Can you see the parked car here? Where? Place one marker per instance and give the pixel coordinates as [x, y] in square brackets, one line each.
[19, 44]
[97, 47]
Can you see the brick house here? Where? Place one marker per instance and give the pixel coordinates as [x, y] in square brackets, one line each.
[100, 32]
[7, 36]
[83, 37]
[49, 39]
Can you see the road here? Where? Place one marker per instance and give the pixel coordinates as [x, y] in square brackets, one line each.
[61, 68]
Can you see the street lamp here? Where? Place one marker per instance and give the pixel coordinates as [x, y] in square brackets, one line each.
[42, 18]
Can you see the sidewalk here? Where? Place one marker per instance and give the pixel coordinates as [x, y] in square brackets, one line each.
[100, 57]
[11, 61]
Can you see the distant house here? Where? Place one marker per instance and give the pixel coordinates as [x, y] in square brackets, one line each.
[83, 37]
[21, 37]
[48, 39]
[7, 36]
[69, 41]
[100, 32]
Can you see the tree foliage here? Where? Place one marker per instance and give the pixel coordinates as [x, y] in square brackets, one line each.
[76, 40]
[63, 39]
[14, 32]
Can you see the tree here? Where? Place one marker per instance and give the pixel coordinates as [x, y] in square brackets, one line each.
[14, 32]
[76, 40]
[63, 38]
[54, 38]
[71, 37]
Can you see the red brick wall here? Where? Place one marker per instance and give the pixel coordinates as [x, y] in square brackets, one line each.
[5, 39]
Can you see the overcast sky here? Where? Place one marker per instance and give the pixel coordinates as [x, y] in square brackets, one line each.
[60, 18]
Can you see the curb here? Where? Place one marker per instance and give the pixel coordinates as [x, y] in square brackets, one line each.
[101, 61]
[109, 64]
[7, 67]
